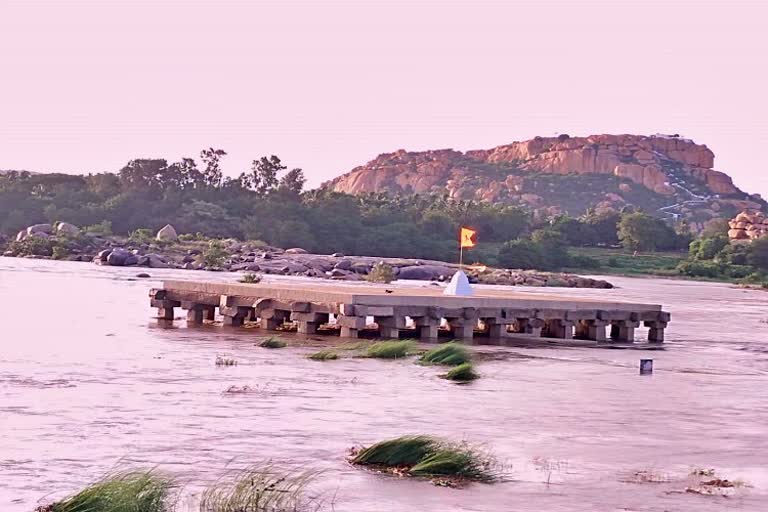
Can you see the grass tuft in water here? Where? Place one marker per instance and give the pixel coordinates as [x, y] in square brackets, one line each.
[225, 361]
[133, 491]
[273, 342]
[448, 354]
[429, 457]
[324, 355]
[402, 451]
[463, 373]
[391, 349]
[457, 461]
[259, 489]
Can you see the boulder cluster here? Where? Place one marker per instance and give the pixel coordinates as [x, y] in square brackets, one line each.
[748, 225]
[168, 250]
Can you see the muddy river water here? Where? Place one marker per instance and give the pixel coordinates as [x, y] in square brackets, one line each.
[89, 382]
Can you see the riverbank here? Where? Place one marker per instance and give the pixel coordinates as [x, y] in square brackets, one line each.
[230, 255]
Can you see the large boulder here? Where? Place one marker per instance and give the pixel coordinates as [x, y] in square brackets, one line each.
[296, 250]
[167, 234]
[120, 257]
[46, 229]
[65, 228]
[153, 261]
[425, 272]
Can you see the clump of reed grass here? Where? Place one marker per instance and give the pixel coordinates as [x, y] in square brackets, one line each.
[391, 349]
[464, 372]
[273, 342]
[401, 451]
[259, 489]
[225, 361]
[380, 273]
[250, 278]
[131, 491]
[324, 355]
[448, 354]
[429, 457]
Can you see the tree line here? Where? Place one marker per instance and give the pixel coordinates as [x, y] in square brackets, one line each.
[268, 202]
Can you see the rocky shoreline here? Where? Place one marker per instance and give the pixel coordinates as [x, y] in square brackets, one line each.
[169, 250]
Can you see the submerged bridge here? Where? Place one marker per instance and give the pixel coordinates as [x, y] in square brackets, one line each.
[424, 313]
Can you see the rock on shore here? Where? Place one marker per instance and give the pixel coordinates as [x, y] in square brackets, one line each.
[234, 255]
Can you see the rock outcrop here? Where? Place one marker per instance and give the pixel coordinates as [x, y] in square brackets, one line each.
[748, 225]
[671, 172]
[167, 234]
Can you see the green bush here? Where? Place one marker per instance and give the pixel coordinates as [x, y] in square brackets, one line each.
[32, 246]
[273, 343]
[462, 373]
[141, 236]
[701, 269]
[381, 273]
[215, 254]
[448, 354]
[324, 355]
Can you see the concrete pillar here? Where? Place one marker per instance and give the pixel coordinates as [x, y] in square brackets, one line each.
[209, 313]
[165, 313]
[532, 326]
[428, 332]
[497, 330]
[596, 330]
[562, 329]
[656, 331]
[233, 321]
[195, 315]
[462, 329]
[623, 330]
[349, 332]
[390, 326]
[306, 327]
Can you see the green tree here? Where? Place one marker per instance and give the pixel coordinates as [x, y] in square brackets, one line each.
[757, 253]
[639, 231]
[212, 174]
[523, 254]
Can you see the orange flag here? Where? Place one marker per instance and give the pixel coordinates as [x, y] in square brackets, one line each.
[467, 237]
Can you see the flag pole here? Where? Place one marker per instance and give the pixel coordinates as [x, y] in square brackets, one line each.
[461, 256]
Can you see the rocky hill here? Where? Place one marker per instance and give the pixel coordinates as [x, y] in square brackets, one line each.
[664, 174]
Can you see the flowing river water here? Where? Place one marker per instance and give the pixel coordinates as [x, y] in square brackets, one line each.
[89, 383]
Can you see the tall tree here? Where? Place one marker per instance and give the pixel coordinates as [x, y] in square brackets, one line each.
[212, 175]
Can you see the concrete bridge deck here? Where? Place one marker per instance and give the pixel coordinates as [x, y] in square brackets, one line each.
[393, 310]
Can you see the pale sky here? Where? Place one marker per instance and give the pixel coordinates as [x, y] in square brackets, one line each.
[86, 86]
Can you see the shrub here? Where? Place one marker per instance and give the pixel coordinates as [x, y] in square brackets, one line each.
[141, 236]
[214, 254]
[32, 246]
[103, 228]
[250, 278]
[390, 349]
[462, 373]
[60, 252]
[701, 269]
[449, 354]
[381, 273]
[122, 492]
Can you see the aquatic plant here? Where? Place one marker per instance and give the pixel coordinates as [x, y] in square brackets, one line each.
[390, 349]
[225, 361]
[430, 457]
[324, 355]
[464, 372]
[259, 489]
[458, 461]
[401, 451]
[133, 491]
[273, 342]
[448, 354]
[250, 278]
